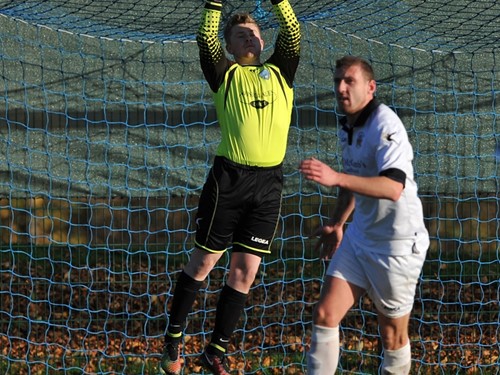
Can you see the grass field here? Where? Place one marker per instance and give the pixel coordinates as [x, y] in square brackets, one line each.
[103, 309]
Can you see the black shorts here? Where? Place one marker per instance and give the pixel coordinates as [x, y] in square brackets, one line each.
[239, 206]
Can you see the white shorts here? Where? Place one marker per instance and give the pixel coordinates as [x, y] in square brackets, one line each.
[389, 280]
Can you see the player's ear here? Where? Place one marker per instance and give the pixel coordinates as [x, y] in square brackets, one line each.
[372, 85]
[229, 48]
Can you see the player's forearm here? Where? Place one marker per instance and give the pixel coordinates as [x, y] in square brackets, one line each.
[289, 34]
[379, 187]
[213, 60]
[343, 207]
[208, 31]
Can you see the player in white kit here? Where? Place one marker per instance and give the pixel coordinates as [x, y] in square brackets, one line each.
[384, 246]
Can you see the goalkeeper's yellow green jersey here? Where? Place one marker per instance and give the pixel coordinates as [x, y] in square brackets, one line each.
[253, 103]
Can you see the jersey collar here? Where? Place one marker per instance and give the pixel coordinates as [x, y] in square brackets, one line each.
[360, 121]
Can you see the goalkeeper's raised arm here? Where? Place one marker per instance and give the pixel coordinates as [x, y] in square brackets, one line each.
[287, 49]
[213, 60]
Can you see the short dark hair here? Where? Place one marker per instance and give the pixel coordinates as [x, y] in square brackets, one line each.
[348, 61]
[237, 19]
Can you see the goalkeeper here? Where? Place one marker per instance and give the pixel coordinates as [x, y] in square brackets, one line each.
[240, 203]
[384, 247]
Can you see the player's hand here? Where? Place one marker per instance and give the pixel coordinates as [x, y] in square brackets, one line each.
[317, 171]
[330, 236]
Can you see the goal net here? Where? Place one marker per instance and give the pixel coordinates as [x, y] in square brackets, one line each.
[107, 133]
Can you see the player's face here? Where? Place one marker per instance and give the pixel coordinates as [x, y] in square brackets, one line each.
[245, 43]
[353, 90]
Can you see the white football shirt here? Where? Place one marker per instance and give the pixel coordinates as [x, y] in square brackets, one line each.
[378, 144]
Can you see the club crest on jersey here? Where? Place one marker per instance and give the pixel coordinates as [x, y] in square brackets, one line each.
[265, 74]
[359, 139]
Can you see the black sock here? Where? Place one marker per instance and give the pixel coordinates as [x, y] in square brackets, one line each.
[184, 296]
[229, 308]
